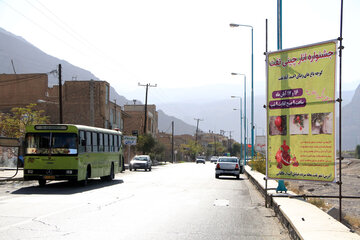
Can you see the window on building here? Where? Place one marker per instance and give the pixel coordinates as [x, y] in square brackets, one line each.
[106, 94]
[118, 119]
[111, 117]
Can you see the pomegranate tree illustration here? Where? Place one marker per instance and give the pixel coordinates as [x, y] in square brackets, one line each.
[283, 156]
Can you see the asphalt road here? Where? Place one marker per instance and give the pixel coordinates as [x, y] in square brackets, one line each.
[180, 201]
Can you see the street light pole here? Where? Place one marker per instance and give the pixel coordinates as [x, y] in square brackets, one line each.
[252, 83]
[244, 112]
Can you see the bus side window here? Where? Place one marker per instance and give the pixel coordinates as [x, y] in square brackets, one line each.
[106, 142]
[111, 143]
[82, 142]
[88, 142]
[116, 149]
[95, 141]
[101, 142]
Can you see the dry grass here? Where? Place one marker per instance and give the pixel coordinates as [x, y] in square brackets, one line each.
[354, 222]
[320, 203]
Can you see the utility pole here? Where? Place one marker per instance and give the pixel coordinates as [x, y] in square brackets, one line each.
[172, 141]
[146, 95]
[197, 128]
[60, 97]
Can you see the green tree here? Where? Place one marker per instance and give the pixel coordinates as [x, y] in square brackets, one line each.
[13, 124]
[145, 143]
[158, 151]
[357, 152]
[220, 149]
[235, 149]
[191, 149]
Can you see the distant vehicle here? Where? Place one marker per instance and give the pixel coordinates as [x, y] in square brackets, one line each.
[229, 166]
[140, 162]
[200, 159]
[214, 159]
[71, 152]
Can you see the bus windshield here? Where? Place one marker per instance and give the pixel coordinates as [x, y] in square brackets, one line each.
[51, 144]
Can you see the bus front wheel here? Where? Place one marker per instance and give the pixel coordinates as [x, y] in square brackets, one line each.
[87, 176]
[42, 182]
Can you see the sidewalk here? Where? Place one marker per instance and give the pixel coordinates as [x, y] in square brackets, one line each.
[7, 174]
[304, 220]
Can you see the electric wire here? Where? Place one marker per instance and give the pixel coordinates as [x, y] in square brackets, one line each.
[44, 29]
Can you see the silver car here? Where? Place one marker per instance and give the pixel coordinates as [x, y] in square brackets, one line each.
[229, 166]
[140, 162]
[200, 159]
[214, 159]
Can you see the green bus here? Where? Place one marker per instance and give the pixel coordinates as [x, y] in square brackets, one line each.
[72, 152]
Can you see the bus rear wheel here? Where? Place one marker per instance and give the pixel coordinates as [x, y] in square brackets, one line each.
[112, 173]
[111, 176]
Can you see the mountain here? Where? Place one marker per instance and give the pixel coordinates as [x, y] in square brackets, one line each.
[180, 127]
[18, 55]
[220, 115]
[351, 122]
[27, 58]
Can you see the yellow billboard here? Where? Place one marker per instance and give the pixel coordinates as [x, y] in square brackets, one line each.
[301, 113]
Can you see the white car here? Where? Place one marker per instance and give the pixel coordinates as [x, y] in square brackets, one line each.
[229, 166]
[140, 162]
[214, 159]
[200, 159]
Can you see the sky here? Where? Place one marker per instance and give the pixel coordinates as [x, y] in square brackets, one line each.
[179, 44]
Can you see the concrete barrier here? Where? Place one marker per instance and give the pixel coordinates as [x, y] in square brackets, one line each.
[302, 219]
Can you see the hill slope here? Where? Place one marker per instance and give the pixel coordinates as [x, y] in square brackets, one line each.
[18, 55]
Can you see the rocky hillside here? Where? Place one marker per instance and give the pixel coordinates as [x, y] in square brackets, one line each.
[351, 122]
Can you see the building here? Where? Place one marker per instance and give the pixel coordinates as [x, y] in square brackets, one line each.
[134, 123]
[15, 90]
[83, 102]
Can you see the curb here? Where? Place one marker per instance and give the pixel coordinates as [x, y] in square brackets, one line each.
[303, 220]
[284, 220]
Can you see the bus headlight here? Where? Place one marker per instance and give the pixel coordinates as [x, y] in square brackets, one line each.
[29, 171]
[69, 171]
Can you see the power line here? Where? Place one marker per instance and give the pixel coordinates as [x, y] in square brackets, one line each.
[44, 29]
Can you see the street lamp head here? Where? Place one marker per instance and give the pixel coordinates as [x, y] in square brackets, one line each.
[234, 25]
[234, 74]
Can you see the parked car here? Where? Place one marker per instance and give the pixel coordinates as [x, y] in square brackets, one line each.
[229, 166]
[214, 159]
[140, 162]
[200, 159]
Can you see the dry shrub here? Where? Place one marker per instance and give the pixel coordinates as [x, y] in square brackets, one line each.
[353, 221]
[259, 163]
[320, 203]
